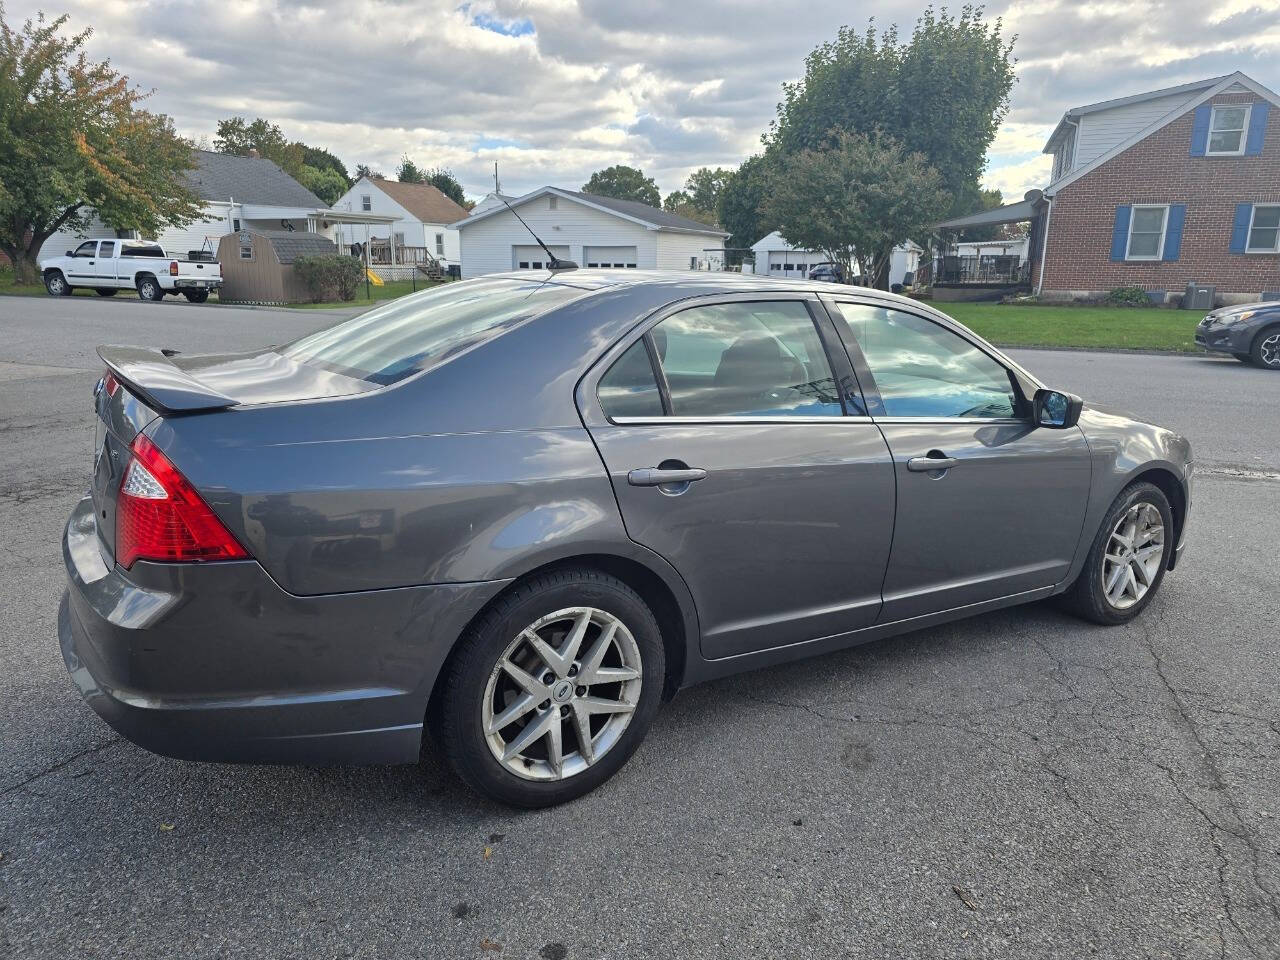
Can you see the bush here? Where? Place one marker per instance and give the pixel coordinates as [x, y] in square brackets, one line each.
[1128, 297]
[330, 276]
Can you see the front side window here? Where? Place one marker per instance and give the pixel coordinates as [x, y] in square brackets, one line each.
[87, 249]
[922, 369]
[1264, 231]
[744, 360]
[415, 332]
[1226, 130]
[1146, 232]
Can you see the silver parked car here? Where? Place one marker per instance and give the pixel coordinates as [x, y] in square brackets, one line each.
[516, 513]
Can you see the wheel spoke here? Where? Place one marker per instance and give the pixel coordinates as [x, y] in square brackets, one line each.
[518, 708]
[582, 726]
[601, 705]
[591, 662]
[555, 742]
[1140, 573]
[548, 654]
[533, 731]
[613, 675]
[530, 684]
[574, 641]
[1117, 574]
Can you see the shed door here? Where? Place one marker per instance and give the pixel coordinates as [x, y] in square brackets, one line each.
[609, 257]
[533, 257]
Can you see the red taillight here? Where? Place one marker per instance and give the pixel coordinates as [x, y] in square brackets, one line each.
[173, 268]
[161, 517]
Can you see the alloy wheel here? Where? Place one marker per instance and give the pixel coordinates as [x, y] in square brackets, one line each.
[1269, 350]
[561, 694]
[1134, 553]
[56, 285]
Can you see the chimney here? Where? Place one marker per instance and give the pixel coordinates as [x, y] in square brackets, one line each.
[253, 152]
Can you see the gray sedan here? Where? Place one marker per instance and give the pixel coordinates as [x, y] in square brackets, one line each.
[516, 513]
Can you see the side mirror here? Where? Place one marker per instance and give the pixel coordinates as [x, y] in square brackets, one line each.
[70, 253]
[1056, 410]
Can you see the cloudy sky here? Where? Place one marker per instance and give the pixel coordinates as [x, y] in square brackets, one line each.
[554, 89]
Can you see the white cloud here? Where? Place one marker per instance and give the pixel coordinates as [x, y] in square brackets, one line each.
[554, 89]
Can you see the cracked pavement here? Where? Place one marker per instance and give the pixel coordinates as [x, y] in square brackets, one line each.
[1015, 785]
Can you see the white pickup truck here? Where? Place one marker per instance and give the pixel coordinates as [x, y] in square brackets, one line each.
[110, 265]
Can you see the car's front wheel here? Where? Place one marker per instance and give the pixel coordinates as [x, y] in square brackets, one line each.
[552, 689]
[1127, 559]
[56, 284]
[1266, 349]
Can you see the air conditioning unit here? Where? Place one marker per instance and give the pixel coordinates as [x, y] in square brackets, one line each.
[1199, 297]
[1269, 295]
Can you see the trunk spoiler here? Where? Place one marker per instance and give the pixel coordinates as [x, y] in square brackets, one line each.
[150, 374]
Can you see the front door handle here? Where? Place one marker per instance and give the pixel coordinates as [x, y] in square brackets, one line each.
[933, 463]
[658, 477]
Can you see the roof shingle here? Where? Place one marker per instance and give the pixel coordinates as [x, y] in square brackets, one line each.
[423, 200]
[224, 176]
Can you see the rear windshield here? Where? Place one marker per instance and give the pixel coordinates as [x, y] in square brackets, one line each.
[147, 250]
[421, 330]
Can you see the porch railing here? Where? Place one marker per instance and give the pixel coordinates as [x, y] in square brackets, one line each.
[1006, 269]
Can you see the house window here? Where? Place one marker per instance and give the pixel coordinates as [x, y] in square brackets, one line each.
[551, 203]
[366, 202]
[524, 264]
[1264, 230]
[439, 244]
[1226, 131]
[1146, 232]
[235, 225]
[246, 251]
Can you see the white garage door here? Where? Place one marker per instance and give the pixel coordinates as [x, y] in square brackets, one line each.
[609, 256]
[791, 263]
[534, 257]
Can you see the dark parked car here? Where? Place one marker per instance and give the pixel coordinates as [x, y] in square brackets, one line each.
[1250, 333]
[827, 272]
[518, 512]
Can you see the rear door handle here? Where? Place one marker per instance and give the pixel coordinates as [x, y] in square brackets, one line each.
[657, 477]
[930, 464]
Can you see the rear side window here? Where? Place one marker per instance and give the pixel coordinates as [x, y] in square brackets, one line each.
[629, 388]
[412, 333]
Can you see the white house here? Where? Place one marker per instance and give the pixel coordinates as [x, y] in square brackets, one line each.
[422, 218]
[775, 257]
[237, 192]
[592, 231]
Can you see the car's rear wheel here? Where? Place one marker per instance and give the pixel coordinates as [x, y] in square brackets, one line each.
[105, 291]
[196, 296]
[57, 284]
[149, 289]
[552, 689]
[1127, 559]
[1266, 349]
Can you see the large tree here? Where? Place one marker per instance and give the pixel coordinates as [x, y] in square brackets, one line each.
[74, 141]
[738, 209]
[941, 93]
[704, 187]
[409, 172]
[624, 183]
[442, 179]
[854, 200]
[240, 137]
[325, 182]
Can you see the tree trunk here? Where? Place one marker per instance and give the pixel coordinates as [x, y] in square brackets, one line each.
[881, 279]
[25, 268]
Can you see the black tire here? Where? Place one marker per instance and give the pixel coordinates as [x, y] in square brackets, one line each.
[1086, 597]
[196, 296]
[455, 718]
[105, 291]
[56, 284]
[1265, 352]
[149, 289]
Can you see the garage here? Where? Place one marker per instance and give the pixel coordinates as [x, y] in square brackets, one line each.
[789, 262]
[609, 257]
[533, 257]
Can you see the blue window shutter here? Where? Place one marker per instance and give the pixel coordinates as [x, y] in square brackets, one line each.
[1257, 128]
[1120, 233]
[1200, 130]
[1240, 228]
[1173, 231]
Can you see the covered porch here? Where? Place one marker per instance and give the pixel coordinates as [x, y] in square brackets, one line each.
[986, 270]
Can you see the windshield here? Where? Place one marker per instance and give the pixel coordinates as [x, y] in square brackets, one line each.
[421, 330]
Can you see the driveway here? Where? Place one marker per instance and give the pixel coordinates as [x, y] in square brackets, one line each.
[1017, 785]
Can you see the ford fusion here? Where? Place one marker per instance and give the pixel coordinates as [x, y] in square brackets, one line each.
[514, 514]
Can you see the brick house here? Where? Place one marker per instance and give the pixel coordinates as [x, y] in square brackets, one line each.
[1159, 190]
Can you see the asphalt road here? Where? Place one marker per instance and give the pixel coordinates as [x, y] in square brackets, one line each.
[1018, 785]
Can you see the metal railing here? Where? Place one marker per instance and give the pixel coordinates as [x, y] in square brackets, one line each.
[988, 269]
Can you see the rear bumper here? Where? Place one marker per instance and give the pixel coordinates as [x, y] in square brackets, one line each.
[184, 283]
[216, 662]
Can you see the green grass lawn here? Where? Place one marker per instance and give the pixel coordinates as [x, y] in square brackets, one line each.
[1127, 328]
[388, 291]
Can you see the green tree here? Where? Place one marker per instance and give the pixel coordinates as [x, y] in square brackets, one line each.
[408, 171]
[676, 198]
[364, 170]
[854, 200]
[942, 94]
[738, 209]
[442, 179]
[705, 185]
[624, 183]
[322, 159]
[75, 141]
[325, 182]
[984, 200]
[239, 138]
